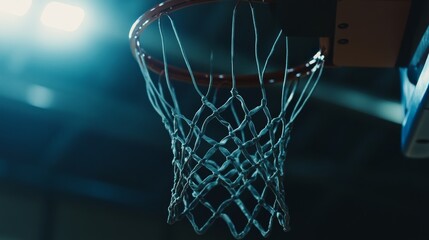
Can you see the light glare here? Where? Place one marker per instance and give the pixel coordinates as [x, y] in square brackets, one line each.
[39, 96]
[62, 16]
[15, 7]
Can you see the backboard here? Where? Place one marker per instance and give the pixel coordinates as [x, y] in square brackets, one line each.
[374, 34]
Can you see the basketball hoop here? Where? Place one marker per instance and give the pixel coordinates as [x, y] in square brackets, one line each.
[247, 161]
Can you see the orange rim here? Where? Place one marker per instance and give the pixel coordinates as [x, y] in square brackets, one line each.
[202, 78]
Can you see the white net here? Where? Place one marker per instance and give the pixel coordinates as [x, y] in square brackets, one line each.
[237, 168]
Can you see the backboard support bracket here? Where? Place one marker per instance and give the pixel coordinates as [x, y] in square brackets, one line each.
[415, 94]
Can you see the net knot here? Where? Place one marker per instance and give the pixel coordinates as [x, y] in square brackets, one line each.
[234, 93]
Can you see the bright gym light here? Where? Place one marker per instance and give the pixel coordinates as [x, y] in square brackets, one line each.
[62, 16]
[15, 7]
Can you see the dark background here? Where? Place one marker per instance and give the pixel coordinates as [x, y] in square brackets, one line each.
[84, 156]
